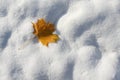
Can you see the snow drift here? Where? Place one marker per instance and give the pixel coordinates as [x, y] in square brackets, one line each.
[89, 48]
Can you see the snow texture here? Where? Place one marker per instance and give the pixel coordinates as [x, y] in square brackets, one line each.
[89, 45]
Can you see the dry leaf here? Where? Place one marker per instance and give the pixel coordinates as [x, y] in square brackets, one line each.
[44, 32]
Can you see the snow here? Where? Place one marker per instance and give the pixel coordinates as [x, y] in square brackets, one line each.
[89, 45]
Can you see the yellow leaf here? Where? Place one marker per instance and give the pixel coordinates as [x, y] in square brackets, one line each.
[44, 32]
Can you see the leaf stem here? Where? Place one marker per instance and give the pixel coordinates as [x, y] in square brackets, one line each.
[26, 43]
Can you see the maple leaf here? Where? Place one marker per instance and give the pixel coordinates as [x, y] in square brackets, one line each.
[44, 32]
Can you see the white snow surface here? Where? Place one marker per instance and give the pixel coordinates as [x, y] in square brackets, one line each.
[89, 45]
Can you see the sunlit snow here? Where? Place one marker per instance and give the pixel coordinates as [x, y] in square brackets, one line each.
[89, 45]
